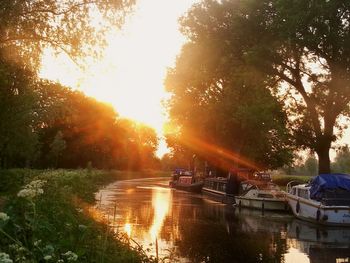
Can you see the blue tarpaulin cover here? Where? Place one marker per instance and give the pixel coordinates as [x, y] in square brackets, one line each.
[324, 182]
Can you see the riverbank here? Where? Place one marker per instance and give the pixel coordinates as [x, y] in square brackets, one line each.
[47, 216]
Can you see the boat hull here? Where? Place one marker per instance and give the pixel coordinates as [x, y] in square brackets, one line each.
[194, 188]
[262, 203]
[313, 211]
[218, 196]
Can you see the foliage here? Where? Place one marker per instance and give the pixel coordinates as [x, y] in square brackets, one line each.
[301, 45]
[57, 147]
[283, 180]
[219, 100]
[18, 115]
[76, 27]
[341, 162]
[49, 221]
[93, 133]
[47, 125]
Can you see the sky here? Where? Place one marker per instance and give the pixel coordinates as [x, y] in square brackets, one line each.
[131, 74]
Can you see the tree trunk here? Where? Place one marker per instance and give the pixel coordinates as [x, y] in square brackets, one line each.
[324, 162]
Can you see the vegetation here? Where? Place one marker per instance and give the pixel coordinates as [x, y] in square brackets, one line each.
[298, 49]
[218, 100]
[30, 27]
[47, 125]
[309, 166]
[48, 217]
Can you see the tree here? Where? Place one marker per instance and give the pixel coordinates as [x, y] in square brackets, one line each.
[220, 108]
[341, 162]
[57, 147]
[18, 116]
[302, 46]
[75, 27]
[140, 144]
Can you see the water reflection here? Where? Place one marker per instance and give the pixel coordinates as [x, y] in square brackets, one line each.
[161, 204]
[196, 229]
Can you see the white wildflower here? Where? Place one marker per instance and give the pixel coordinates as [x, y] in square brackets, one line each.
[31, 190]
[70, 256]
[47, 257]
[5, 258]
[60, 261]
[37, 242]
[4, 217]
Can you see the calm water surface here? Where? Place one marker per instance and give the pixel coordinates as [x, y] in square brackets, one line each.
[193, 228]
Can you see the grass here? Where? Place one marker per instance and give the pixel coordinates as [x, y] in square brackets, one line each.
[46, 216]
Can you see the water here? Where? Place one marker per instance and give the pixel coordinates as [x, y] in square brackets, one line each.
[191, 228]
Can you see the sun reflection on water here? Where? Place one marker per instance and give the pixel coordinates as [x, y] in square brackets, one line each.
[161, 200]
[127, 229]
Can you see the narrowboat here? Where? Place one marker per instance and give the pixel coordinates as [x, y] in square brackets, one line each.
[186, 181]
[221, 189]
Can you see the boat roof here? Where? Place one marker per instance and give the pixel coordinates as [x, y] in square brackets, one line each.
[324, 182]
[260, 184]
[217, 179]
[302, 186]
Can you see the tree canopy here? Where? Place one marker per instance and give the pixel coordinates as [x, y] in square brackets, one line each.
[221, 105]
[44, 124]
[301, 46]
[75, 27]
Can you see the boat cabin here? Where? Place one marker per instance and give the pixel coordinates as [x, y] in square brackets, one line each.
[216, 184]
[302, 191]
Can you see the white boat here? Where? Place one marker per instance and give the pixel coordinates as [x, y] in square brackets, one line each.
[326, 200]
[261, 195]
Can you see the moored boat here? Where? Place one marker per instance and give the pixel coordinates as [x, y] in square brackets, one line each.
[186, 181]
[261, 195]
[325, 200]
[221, 189]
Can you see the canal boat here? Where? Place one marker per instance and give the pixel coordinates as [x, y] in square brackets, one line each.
[261, 195]
[186, 181]
[325, 200]
[221, 189]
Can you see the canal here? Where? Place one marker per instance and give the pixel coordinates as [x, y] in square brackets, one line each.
[189, 227]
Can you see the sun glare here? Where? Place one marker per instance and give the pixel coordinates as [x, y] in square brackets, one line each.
[130, 76]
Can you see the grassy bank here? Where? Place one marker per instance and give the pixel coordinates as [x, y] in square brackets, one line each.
[45, 216]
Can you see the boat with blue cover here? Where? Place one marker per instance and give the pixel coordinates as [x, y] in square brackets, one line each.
[325, 200]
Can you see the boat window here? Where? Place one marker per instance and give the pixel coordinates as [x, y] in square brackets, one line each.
[294, 191]
[221, 187]
[304, 193]
[265, 196]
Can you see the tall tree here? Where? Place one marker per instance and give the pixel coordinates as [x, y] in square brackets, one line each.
[302, 45]
[18, 115]
[220, 107]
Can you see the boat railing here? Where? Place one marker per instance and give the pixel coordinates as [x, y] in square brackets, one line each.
[291, 184]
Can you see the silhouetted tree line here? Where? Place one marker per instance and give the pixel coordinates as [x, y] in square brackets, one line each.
[44, 124]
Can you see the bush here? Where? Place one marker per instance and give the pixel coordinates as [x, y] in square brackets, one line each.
[283, 180]
[49, 220]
